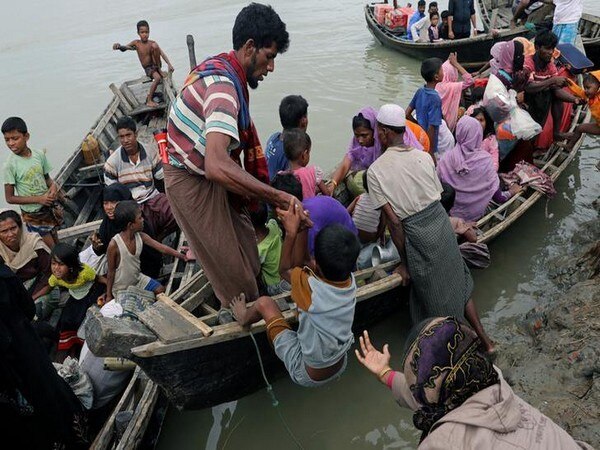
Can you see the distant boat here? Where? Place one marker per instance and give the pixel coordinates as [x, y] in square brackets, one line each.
[589, 28]
[473, 52]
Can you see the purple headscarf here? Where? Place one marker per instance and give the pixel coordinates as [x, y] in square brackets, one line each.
[503, 54]
[470, 171]
[363, 157]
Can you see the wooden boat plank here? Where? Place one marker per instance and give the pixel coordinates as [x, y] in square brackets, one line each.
[168, 324]
[172, 323]
[131, 98]
[197, 298]
[102, 440]
[124, 101]
[205, 329]
[133, 434]
[87, 209]
[78, 231]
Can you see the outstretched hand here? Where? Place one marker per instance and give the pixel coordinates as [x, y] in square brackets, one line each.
[374, 360]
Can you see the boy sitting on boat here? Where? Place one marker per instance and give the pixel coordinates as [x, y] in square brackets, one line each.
[123, 253]
[149, 54]
[326, 297]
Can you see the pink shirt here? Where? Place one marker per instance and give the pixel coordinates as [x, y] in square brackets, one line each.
[310, 177]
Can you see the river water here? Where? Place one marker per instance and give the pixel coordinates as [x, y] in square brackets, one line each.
[57, 63]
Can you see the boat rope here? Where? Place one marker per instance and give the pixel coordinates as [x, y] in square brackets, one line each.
[274, 400]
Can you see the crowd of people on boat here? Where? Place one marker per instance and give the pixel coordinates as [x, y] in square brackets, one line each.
[418, 178]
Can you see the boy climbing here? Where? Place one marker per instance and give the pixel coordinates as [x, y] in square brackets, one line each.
[325, 295]
[149, 54]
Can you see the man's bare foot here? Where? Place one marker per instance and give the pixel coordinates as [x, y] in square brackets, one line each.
[239, 309]
[151, 104]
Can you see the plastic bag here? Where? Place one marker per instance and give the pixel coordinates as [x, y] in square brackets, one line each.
[77, 379]
[496, 99]
[522, 125]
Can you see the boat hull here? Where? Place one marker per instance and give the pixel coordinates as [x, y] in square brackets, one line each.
[205, 376]
[472, 52]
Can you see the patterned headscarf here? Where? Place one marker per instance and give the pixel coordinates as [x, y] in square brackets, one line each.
[444, 366]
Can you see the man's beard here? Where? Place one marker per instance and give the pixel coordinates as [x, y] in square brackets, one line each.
[252, 81]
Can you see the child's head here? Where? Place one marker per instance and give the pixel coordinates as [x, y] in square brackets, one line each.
[363, 131]
[143, 30]
[444, 16]
[259, 216]
[289, 183]
[65, 261]
[336, 251]
[421, 6]
[296, 145]
[545, 43]
[431, 70]
[127, 132]
[112, 195]
[433, 7]
[128, 215]
[434, 18]
[293, 112]
[591, 85]
[15, 134]
[485, 120]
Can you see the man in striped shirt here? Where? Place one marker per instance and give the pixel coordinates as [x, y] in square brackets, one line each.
[209, 125]
[141, 171]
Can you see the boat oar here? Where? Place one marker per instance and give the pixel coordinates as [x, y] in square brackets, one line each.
[191, 51]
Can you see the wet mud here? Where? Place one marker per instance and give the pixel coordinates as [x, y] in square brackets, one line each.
[551, 356]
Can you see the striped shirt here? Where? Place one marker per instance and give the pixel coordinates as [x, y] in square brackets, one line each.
[138, 177]
[208, 105]
[365, 216]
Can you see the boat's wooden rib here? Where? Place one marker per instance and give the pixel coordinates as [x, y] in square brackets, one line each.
[472, 52]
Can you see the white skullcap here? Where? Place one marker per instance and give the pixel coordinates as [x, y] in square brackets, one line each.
[391, 115]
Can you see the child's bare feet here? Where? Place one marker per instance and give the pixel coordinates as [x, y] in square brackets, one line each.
[151, 103]
[239, 309]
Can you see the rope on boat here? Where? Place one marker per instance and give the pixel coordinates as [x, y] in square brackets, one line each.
[274, 400]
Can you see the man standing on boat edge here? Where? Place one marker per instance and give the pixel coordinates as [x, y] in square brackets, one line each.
[209, 127]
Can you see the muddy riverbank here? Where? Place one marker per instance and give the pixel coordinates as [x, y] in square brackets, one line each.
[551, 356]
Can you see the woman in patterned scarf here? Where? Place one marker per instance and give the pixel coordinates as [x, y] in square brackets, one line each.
[459, 398]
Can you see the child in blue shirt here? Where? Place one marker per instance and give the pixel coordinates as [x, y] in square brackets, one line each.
[427, 102]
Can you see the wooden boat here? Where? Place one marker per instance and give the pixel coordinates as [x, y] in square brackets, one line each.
[472, 52]
[83, 183]
[589, 29]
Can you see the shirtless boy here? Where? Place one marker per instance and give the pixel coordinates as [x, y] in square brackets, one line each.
[149, 53]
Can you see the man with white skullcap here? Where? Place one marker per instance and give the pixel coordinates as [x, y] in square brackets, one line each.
[403, 182]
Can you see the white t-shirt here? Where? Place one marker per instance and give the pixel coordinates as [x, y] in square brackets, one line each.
[445, 140]
[567, 11]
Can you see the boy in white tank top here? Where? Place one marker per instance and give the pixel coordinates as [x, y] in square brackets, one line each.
[123, 253]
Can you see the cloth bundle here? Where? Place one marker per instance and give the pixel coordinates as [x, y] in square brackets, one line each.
[525, 173]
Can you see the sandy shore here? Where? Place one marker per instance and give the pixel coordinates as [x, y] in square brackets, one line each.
[552, 356]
